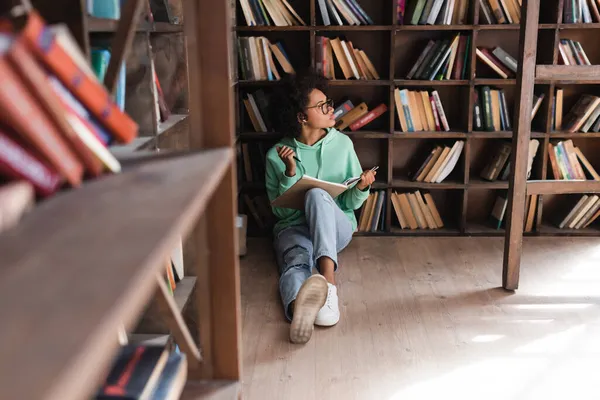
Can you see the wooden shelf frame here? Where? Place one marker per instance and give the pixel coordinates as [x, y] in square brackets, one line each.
[549, 74]
[391, 139]
[60, 278]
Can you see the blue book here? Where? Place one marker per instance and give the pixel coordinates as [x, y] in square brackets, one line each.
[105, 8]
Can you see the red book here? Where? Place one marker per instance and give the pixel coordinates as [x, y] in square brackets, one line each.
[16, 162]
[460, 58]
[89, 91]
[370, 116]
[21, 112]
[35, 79]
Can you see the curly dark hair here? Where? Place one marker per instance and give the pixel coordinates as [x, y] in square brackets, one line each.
[291, 98]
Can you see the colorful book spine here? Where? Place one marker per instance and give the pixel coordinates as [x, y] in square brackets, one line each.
[91, 93]
[18, 163]
[376, 112]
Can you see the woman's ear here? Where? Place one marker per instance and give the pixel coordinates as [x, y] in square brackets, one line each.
[302, 118]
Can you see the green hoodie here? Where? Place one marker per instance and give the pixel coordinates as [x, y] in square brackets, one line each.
[331, 159]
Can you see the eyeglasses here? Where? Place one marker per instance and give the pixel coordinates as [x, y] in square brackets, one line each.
[325, 106]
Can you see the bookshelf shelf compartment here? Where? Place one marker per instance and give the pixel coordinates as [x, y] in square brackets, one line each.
[169, 195]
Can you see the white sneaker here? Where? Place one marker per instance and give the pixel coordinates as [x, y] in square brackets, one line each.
[329, 314]
[310, 299]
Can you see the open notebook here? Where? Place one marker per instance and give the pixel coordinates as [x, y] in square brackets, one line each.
[294, 196]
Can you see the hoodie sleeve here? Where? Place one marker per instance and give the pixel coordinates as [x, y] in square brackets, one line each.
[277, 182]
[353, 198]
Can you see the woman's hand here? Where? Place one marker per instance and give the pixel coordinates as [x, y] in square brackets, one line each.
[287, 156]
[366, 179]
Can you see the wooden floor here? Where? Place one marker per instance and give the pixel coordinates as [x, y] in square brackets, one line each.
[424, 318]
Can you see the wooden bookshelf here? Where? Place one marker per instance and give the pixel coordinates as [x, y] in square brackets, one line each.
[393, 49]
[87, 262]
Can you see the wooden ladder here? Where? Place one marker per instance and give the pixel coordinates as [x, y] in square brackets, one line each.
[519, 186]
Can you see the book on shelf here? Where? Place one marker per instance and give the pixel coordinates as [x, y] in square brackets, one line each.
[110, 9]
[443, 59]
[432, 12]
[257, 106]
[416, 210]
[270, 12]
[568, 162]
[357, 117]
[373, 211]
[144, 372]
[420, 111]
[59, 118]
[257, 57]
[498, 60]
[581, 11]
[499, 165]
[439, 163]
[340, 12]
[583, 115]
[499, 11]
[352, 61]
[571, 53]
[498, 213]
[585, 211]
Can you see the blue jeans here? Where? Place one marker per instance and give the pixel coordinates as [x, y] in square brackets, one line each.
[327, 232]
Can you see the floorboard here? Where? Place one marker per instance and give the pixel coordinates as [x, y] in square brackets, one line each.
[425, 318]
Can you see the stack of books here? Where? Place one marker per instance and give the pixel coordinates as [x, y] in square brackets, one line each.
[354, 63]
[499, 165]
[565, 161]
[433, 12]
[58, 118]
[442, 59]
[346, 115]
[499, 211]
[492, 113]
[500, 11]
[585, 211]
[581, 11]
[571, 53]
[439, 163]
[145, 372]
[270, 12]
[416, 211]
[498, 60]
[420, 111]
[256, 57]
[343, 10]
[372, 215]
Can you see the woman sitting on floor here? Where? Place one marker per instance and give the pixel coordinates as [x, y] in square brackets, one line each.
[314, 236]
